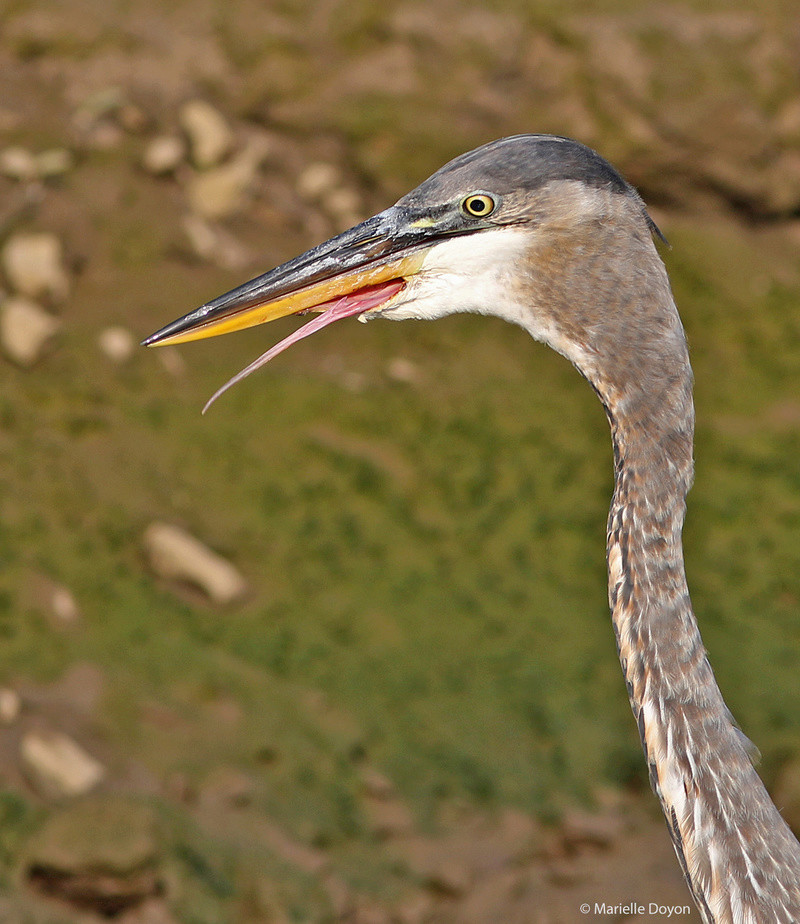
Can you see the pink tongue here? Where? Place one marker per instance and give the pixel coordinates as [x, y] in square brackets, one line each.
[344, 307]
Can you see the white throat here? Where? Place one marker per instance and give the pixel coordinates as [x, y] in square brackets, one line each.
[480, 274]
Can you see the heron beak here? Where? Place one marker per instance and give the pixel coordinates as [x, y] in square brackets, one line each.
[357, 271]
[366, 266]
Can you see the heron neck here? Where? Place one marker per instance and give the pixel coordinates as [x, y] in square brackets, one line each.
[726, 831]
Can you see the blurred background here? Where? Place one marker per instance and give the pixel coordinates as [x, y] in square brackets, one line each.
[340, 649]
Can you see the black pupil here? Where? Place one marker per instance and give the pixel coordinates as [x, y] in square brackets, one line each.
[478, 205]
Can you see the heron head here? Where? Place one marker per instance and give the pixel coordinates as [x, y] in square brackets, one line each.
[486, 233]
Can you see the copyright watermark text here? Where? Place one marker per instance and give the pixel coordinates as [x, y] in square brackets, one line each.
[628, 909]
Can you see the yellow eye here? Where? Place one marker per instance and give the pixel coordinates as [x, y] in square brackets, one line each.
[478, 205]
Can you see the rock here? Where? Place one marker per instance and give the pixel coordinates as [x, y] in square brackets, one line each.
[376, 785]
[101, 854]
[221, 191]
[49, 598]
[164, 154]
[18, 164]
[214, 244]
[175, 555]
[54, 162]
[388, 818]
[57, 766]
[25, 330]
[118, 343]
[33, 264]
[172, 361]
[10, 706]
[104, 136]
[403, 370]
[218, 193]
[210, 136]
[343, 205]
[322, 184]
[202, 236]
[63, 606]
[317, 181]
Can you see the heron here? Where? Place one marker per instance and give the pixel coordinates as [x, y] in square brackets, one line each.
[543, 232]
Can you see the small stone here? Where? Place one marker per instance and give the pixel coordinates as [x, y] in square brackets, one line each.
[321, 183]
[214, 244]
[210, 137]
[221, 191]
[202, 236]
[403, 371]
[217, 193]
[18, 164]
[355, 382]
[57, 766]
[102, 832]
[10, 706]
[388, 818]
[33, 264]
[54, 162]
[104, 136]
[376, 785]
[164, 155]
[317, 181]
[117, 343]
[63, 605]
[343, 205]
[25, 330]
[172, 361]
[101, 852]
[175, 555]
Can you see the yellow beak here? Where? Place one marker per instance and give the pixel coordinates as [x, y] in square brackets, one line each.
[380, 250]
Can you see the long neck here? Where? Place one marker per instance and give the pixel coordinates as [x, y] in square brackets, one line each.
[739, 858]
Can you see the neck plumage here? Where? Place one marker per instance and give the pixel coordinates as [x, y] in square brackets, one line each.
[739, 858]
[601, 297]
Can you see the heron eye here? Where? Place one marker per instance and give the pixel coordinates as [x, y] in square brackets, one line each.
[478, 205]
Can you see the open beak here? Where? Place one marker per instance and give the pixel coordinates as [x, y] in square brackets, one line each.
[357, 271]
